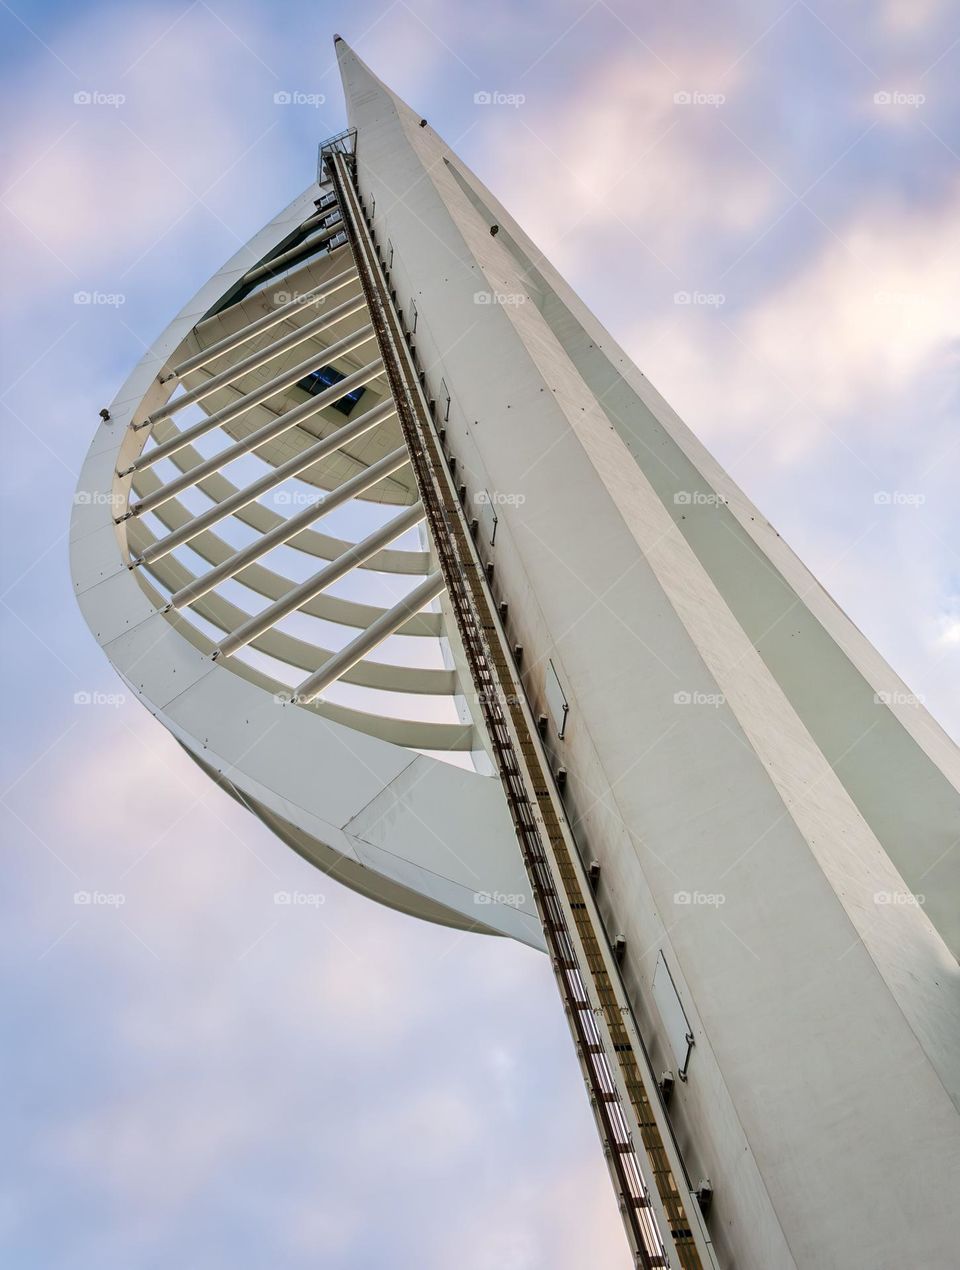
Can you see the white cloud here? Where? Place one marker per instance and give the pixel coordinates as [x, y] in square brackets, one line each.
[563, 1218]
[873, 308]
[98, 184]
[949, 631]
[617, 153]
[156, 1148]
[900, 17]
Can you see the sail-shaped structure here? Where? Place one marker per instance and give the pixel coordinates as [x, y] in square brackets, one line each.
[406, 553]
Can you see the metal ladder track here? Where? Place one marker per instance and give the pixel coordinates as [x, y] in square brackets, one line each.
[610, 1052]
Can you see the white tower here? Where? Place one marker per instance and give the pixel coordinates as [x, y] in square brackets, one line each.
[412, 560]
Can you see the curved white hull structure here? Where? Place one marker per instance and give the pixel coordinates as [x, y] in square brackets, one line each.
[723, 730]
[344, 788]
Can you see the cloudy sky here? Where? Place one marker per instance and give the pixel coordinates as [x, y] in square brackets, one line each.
[187, 1078]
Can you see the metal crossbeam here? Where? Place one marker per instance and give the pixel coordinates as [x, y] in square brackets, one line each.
[367, 640]
[358, 484]
[217, 462]
[229, 342]
[300, 595]
[302, 249]
[259, 395]
[293, 467]
[260, 358]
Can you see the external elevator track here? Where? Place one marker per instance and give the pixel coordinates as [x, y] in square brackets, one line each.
[630, 1114]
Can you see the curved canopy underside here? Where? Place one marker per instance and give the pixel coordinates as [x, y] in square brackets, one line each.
[248, 547]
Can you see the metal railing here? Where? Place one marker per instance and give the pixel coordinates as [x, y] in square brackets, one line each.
[340, 143]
